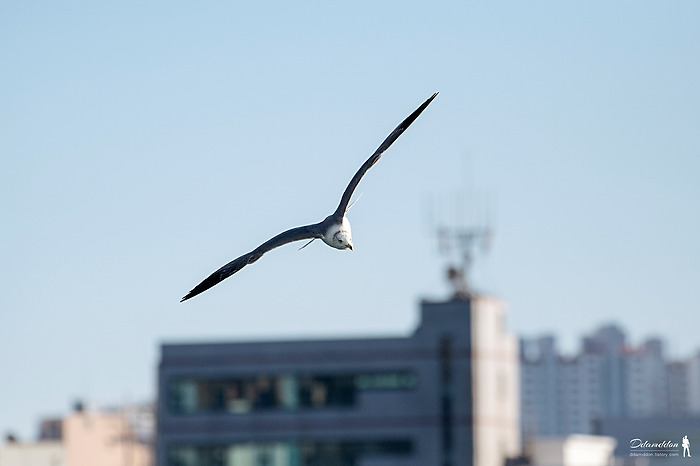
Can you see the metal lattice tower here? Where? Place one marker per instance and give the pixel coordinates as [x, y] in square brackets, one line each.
[460, 245]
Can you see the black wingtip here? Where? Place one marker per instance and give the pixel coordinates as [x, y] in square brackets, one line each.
[412, 117]
[204, 286]
[207, 283]
[430, 99]
[223, 273]
[190, 294]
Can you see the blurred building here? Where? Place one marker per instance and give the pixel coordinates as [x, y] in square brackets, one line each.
[607, 379]
[87, 437]
[446, 395]
[573, 450]
[40, 453]
[108, 437]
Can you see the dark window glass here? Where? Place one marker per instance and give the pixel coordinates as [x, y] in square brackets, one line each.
[281, 392]
[302, 453]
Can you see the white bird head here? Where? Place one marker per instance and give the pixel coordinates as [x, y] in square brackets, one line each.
[342, 240]
[339, 236]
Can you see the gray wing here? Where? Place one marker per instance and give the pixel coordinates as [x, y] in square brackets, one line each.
[343, 206]
[295, 234]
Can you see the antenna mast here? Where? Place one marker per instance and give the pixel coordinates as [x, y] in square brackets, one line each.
[460, 245]
[466, 233]
[460, 242]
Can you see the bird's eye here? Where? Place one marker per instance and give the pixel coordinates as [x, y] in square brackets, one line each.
[340, 241]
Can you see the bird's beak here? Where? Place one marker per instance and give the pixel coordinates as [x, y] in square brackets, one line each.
[350, 246]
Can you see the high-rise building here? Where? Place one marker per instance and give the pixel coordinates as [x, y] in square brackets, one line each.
[678, 385]
[446, 395]
[693, 381]
[607, 379]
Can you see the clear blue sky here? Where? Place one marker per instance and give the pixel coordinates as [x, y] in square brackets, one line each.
[144, 144]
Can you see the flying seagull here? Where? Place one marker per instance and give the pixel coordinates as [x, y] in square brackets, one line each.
[334, 230]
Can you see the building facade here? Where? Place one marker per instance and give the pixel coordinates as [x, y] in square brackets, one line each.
[108, 437]
[87, 437]
[607, 379]
[40, 453]
[573, 450]
[446, 395]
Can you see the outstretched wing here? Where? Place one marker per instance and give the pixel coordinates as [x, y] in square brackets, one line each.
[295, 234]
[343, 206]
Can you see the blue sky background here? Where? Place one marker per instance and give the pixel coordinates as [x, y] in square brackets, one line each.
[143, 145]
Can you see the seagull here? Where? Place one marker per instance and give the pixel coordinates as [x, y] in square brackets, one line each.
[334, 230]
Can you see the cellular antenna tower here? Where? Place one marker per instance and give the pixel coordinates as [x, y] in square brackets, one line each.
[460, 245]
[460, 241]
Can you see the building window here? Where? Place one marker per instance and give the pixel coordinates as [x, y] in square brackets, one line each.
[238, 395]
[301, 453]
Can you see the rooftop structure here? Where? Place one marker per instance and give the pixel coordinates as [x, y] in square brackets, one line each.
[88, 437]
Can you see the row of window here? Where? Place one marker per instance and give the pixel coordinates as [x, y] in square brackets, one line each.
[282, 391]
[291, 453]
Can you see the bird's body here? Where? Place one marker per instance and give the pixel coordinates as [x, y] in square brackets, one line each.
[334, 230]
[338, 235]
